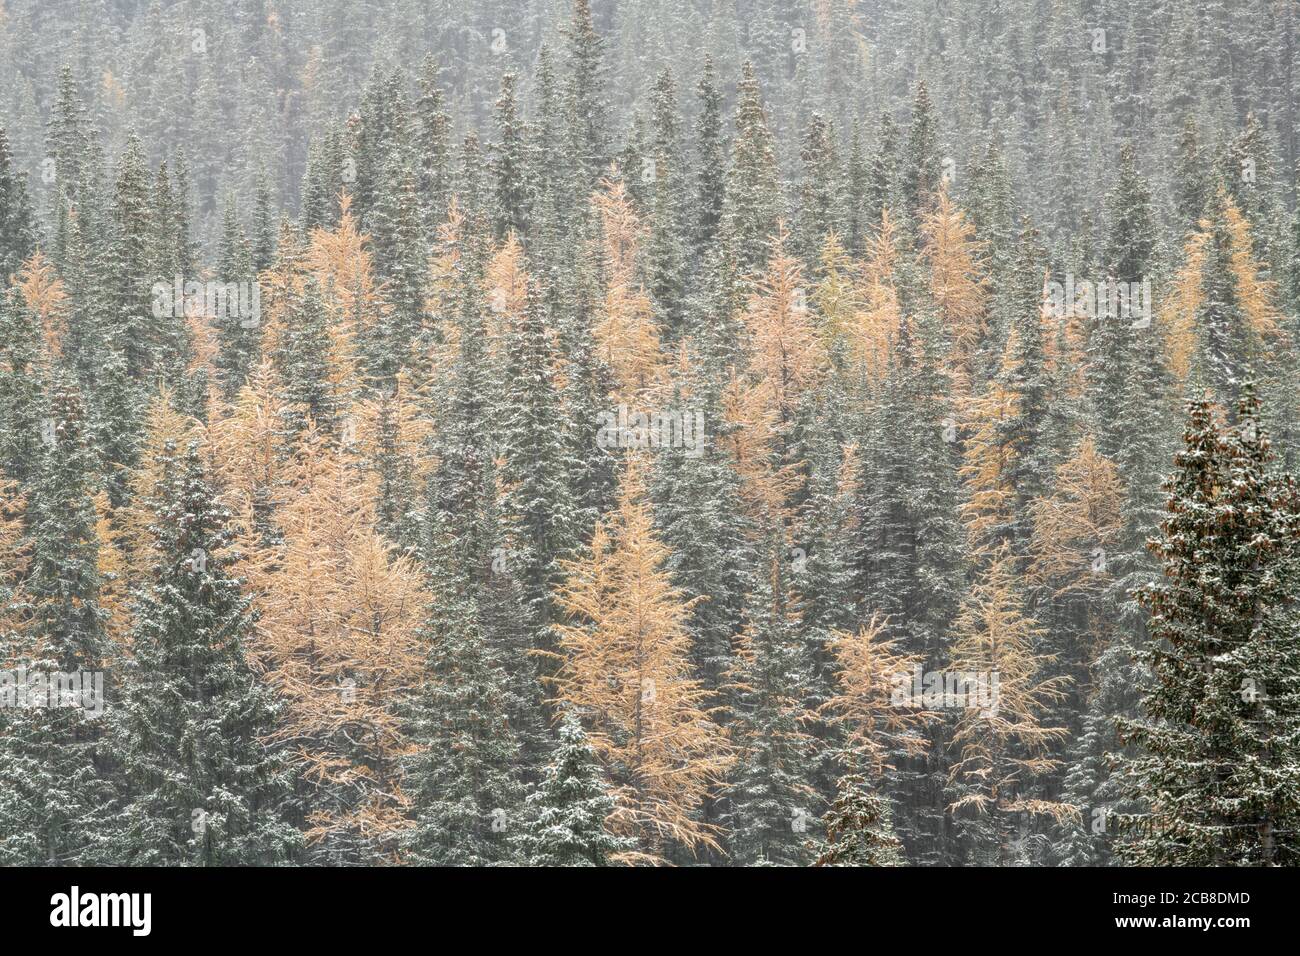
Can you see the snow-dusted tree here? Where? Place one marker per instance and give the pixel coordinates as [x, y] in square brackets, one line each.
[625, 664]
[858, 829]
[772, 801]
[55, 799]
[1003, 747]
[198, 783]
[565, 816]
[1217, 765]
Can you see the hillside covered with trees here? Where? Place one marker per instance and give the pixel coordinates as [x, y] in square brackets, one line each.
[649, 432]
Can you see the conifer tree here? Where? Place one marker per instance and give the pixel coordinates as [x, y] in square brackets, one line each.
[536, 470]
[1003, 749]
[665, 168]
[565, 815]
[463, 777]
[237, 336]
[753, 201]
[625, 663]
[585, 102]
[920, 172]
[55, 795]
[710, 175]
[433, 147]
[21, 388]
[17, 228]
[822, 199]
[511, 168]
[771, 799]
[198, 784]
[336, 632]
[1215, 761]
[858, 830]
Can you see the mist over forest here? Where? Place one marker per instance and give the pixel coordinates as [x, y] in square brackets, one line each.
[602, 433]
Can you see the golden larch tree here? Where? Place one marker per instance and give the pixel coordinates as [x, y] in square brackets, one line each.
[15, 555]
[248, 453]
[1079, 525]
[987, 463]
[627, 336]
[873, 327]
[338, 615]
[879, 723]
[1002, 745]
[959, 288]
[45, 294]
[625, 666]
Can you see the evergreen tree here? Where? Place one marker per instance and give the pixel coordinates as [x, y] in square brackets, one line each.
[771, 800]
[17, 227]
[198, 785]
[920, 169]
[1216, 736]
[585, 103]
[539, 506]
[858, 831]
[511, 166]
[710, 175]
[55, 794]
[753, 200]
[463, 779]
[565, 816]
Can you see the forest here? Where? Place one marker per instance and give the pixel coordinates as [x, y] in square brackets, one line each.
[649, 433]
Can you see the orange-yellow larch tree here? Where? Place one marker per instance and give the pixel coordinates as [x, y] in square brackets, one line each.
[249, 452]
[987, 459]
[959, 288]
[625, 666]
[14, 557]
[1001, 687]
[874, 702]
[627, 335]
[338, 615]
[1078, 527]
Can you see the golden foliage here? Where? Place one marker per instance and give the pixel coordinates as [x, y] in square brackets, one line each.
[869, 672]
[338, 616]
[751, 439]
[43, 291]
[1255, 295]
[987, 461]
[627, 336]
[111, 563]
[340, 262]
[247, 452]
[838, 293]
[1078, 523]
[15, 555]
[403, 411]
[1178, 309]
[1004, 747]
[506, 286]
[787, 353]
[959, 288]
[872, 326]
[625, 665]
